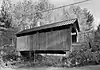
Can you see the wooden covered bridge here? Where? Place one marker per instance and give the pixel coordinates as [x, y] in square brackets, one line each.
[51, 38]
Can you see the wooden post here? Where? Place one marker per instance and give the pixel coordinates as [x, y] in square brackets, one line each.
[70, 39]
[34, 56]
[77, 36]
[30, 55]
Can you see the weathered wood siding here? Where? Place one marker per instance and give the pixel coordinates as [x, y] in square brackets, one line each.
[22, 43]
[53, 40]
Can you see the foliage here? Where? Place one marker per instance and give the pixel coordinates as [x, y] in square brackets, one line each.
[28, 13]
[8, 32]
[10, 57]
[83, 57]
[88, 16]
[5, 15]
[96, 46]
[89, 19]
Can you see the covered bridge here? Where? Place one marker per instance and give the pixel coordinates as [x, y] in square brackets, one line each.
[55, 37]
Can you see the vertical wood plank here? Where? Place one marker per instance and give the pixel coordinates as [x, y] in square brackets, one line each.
[36, 41]
[62, 35]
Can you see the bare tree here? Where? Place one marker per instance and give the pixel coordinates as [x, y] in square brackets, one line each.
[84, 16]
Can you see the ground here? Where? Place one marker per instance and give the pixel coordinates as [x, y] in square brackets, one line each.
[96, 67]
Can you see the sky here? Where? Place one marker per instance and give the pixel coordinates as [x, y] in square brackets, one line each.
[92, 6]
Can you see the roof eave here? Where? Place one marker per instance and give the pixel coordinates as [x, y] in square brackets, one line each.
[75, 22]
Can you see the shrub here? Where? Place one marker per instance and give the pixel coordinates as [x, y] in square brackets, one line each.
[83, 57]
[10, 57]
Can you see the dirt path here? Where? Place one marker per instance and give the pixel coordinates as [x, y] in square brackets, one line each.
[51, 68]
[97, 67]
